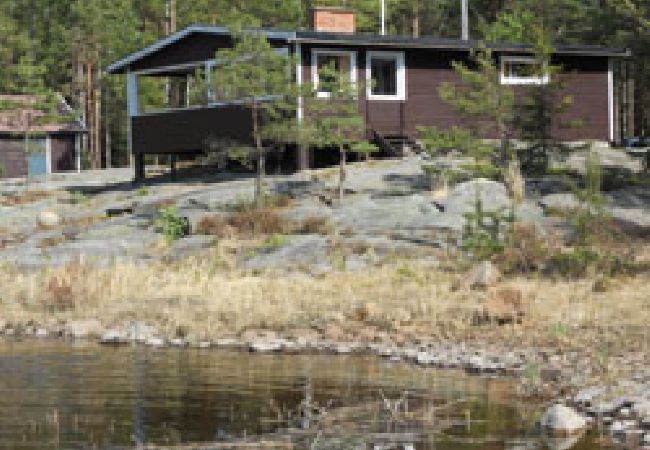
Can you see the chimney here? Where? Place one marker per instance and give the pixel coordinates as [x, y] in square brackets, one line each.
[333, 20]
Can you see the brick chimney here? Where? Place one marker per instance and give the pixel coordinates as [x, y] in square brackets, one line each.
[333, 20]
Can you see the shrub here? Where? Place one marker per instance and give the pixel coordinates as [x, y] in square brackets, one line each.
[315, 225]
[171, 224]
[524, 251]
[247, 223]
[275, 241]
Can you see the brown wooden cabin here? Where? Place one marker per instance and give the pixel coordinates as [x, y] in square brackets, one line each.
[405, 72]
[49, 148]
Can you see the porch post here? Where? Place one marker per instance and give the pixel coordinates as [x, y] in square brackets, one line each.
[137, 162]
[610, 100]
[77, 152]
[303, 151]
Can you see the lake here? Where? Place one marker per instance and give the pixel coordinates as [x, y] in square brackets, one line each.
[57, 395]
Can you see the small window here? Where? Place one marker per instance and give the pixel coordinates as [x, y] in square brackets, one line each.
[343, 62]
[386, 76]
[522, 70]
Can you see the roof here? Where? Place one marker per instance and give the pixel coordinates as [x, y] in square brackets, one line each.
[359, 39]
[26, 112]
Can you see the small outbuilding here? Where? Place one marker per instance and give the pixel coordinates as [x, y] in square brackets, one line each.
[36, 142]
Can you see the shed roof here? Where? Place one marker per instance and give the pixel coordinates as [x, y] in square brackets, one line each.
[357, 39]
[25, 113]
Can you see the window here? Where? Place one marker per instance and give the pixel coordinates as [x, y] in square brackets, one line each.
[386, 76]
[522, 70]
[344, 62]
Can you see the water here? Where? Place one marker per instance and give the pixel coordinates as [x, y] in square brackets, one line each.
[55, 395]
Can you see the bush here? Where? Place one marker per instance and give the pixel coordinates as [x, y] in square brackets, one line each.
[171, 224]
[524, 251]
[246, 223]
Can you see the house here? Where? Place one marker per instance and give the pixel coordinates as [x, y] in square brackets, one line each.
[34, 142]
[400, 77]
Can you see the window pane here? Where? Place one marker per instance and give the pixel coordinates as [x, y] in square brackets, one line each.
[519, 69]
[384, 76]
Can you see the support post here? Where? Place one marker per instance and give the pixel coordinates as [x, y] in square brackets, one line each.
[464, 12]
[133, 110]
[610, 99]
[173, 159]
[139, 167]
[303, 162]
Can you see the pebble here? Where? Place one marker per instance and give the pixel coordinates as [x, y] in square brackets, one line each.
[177, 342]
[155, 342]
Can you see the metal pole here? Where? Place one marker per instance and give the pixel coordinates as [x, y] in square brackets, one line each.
[383, 17]
[464, 19]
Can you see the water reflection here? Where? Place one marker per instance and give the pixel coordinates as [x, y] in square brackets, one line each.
[58, 396]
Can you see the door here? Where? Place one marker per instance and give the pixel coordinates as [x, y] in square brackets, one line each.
[36, 157]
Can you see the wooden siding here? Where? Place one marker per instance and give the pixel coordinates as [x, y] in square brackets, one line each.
[12, 158]
[585, 81]
[186, 131]
[195, 48]
[63, 153]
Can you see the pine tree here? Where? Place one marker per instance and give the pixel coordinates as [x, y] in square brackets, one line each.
[482, 96]
[334, 122]
[258, 76]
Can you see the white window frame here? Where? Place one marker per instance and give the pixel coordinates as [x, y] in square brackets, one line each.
[400, 59]
[514, 80]
[316, 52]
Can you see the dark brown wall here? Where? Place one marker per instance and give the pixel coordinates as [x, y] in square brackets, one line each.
[585, 81]
[187, 131]
[63, 153]
[12, 158]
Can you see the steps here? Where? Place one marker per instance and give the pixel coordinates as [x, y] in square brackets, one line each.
[395, 145]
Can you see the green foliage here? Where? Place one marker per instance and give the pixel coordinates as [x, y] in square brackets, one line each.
[486, 232]
[256, 74]
[171, 224]
[77, 197]
[481, 95]
[364, 148]
[275, 241]
[334, 121]
[142, 192]
[438, 142]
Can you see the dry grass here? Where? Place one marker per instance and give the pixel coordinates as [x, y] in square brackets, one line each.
[252, 223]
[213, 302]
[24, 198]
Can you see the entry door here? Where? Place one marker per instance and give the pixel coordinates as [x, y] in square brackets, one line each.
[37, 157]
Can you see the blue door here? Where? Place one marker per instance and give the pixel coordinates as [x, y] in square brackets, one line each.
[37, 158]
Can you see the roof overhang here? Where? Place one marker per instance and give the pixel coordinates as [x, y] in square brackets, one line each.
[359, 39]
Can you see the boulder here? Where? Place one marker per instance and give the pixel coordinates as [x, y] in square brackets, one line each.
[113, 337]
[462, 198]
[82, 329]
[482, 276]
[48, 219]
[562, 420]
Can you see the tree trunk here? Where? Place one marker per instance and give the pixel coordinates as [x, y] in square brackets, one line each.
[342, 174]
[416, 19]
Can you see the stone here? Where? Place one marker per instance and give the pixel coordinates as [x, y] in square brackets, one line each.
[462, 198]
[641, 409]
[155, 342]
[265, 346]
[83, 329]
[140, 332]
[41, 333]
[177, 342]
[48, 219]
[562, 420]
[204, 344]
[113, 337]
[482, 276]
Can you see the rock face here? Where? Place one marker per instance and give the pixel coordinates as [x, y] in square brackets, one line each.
[642, 409]
[48, 219]
[562, 420]
[462, 198]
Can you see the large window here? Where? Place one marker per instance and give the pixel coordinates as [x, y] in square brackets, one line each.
[522, 70]
[386, 76]
[343, 62]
